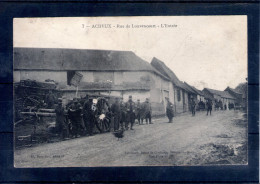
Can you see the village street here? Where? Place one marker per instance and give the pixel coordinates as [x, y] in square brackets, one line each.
[201, 140]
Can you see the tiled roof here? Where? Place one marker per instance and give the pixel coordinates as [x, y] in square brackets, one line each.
[79, 59]
[161, 67]
[223, 94]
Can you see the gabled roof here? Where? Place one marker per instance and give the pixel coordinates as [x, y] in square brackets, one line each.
[233, 90]
[188, 88]
[226, 94]
[223, 94]
[79, 59]
[207, 96]
[195, 90]
[161, 67]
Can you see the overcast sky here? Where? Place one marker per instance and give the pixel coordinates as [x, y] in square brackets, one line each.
[205, 51]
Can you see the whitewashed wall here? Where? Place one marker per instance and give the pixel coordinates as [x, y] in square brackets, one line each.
[87, 76]
[141, 95]
[134, 76]
[41, 76]
[118, 78]
[171, 93]
[186, 109]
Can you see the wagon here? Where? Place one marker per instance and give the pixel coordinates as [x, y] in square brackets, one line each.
[29, 95]
[103, 121]
[103, 116]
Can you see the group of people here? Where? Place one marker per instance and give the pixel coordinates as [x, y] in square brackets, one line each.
[208, 106]
[76, 119]
[126, 113]
[80, 118]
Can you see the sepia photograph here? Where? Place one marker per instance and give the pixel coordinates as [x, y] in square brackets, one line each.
[130, 91]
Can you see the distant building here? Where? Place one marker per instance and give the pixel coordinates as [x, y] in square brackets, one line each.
[216, 96]
[116, 73]
[191, 94]
[237, 95]
[199, 95]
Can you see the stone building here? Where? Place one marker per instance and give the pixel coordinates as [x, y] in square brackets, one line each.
[194, 93]
[181, 93]
[199, 95]
[108, 72]
[237, 95]
[216, 96]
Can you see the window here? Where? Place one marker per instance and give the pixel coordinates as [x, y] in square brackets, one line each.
[70, 75]
[178, 95]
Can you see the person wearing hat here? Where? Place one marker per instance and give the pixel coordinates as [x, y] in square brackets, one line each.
[193, 106]
[138, 111]
[75, 116]
[209, 106]
[123, 113]
[130, 113]
[60, 120]
[88, 115]
[169, 110]
[147, 111]
[116, 110]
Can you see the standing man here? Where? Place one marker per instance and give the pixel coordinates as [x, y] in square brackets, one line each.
[60, 120]
[50, 100]
[130, 113]
[220, 104]
[169, 110]
[138, 111]
[116, 110]
[123, 114]
[147, 111]
[88, 115]
[193, 106]
[209, 107]
[75, 111]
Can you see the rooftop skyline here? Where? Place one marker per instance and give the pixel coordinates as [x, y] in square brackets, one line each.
[204, 51]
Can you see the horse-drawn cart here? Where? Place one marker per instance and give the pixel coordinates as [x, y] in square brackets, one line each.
[103, 120]
[30, 112]
[30, 95]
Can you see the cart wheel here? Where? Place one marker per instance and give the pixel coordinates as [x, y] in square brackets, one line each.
[103, 125]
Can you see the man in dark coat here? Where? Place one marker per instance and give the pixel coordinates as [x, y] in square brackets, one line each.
[220, 104]
[209, 106]
[61, 120]
[130, 112]
[116, 110]
[193, 106]
[123, 114]
[50, 100]
[75, 116]
[147, 111]
[88, 115]
[169, 110]
[138, 111]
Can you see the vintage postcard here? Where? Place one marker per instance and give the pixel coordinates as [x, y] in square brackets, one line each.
[130, 91]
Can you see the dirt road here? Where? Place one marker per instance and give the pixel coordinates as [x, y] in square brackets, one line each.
[200, 140]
